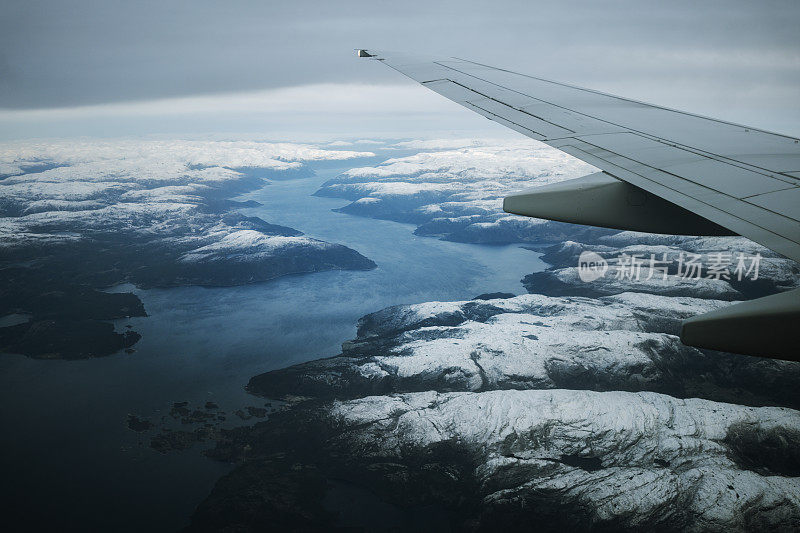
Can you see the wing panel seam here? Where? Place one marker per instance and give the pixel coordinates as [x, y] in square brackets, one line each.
[488, 97]
[789, 137]
[711, 155]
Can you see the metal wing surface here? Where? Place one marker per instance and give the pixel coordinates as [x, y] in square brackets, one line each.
[695, 175]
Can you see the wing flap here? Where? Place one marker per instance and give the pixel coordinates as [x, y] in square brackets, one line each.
[453, 91]
[727, 179]
[580, 124]
[785, 201]
[545, 128]
[649, 152]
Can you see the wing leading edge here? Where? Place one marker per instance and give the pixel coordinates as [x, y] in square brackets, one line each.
[664, 171]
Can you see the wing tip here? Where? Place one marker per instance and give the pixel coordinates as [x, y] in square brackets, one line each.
[361, 52]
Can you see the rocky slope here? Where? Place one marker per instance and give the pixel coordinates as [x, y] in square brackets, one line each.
[671, 255]
[503, 460]
[622, 342]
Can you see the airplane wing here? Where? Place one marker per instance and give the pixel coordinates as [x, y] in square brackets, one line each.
[664, 171]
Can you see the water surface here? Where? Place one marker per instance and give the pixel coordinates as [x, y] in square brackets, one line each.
[67, 454]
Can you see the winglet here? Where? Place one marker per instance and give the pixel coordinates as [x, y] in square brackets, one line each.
[363, 53]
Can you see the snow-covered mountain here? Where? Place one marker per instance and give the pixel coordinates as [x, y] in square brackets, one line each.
[454, 189]
[77, 216]
[573, 407]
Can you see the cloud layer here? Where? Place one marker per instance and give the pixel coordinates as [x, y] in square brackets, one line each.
[736, 60]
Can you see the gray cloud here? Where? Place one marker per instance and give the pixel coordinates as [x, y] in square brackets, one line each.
[64, 53]
[704, 55]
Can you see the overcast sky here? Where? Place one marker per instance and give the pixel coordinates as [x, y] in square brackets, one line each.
[195, 66]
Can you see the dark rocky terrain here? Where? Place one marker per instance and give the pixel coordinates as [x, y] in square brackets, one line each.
[503, 460]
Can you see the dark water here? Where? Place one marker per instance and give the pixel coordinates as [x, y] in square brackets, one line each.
[67, 455]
